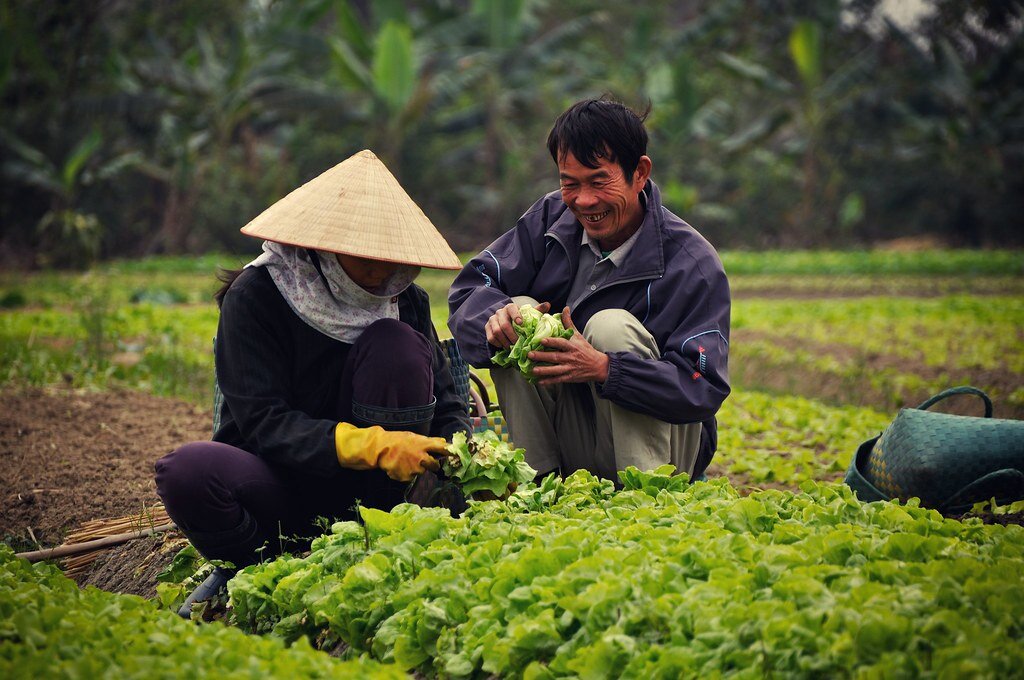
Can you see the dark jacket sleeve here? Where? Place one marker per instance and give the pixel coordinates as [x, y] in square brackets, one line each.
[690, 380]
[253, 353]
[504, 269]
[450, 412]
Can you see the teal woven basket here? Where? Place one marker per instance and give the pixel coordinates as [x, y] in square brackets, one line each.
[950, 462]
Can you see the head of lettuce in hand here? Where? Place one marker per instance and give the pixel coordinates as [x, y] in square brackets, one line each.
[484, 466]
[535, 327]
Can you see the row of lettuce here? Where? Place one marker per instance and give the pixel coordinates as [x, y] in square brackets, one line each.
[661, 579]
[571, 578]
[766, 439]
[884, 342]
[51, 629]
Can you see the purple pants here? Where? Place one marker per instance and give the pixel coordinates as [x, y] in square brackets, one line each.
[234, 506]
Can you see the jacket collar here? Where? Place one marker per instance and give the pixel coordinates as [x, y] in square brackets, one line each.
[646, 259]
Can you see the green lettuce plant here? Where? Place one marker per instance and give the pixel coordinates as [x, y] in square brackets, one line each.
[51, 628]
[571, 578]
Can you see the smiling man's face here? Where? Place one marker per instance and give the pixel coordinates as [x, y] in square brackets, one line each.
[603, 199]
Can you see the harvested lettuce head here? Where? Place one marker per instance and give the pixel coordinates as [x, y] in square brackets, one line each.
[485, 463]
[535, 327]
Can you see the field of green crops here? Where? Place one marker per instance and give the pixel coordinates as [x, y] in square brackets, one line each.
[770, 568]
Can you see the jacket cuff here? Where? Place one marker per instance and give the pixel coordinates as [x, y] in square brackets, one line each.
[610, 387]
[461, 425]
[477, 353]
[452, 431]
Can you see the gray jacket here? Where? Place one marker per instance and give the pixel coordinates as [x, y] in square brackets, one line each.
[672, 281]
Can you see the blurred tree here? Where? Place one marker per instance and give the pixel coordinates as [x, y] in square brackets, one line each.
[793, 123]
[516, 73]
[66, 236]
[129, 128]
[957, 105]
[47, 51]
[211, 100]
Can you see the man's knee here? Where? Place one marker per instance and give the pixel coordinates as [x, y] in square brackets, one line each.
[616, 330]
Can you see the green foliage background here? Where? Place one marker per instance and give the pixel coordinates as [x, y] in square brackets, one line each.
[147, 128]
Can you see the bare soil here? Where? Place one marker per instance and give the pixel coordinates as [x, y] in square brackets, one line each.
[131, 568]
[69, 456]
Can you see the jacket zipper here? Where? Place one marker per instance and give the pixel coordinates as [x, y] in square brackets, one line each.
[603, 286]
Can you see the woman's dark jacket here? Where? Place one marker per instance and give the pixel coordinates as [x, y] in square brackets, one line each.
[281, 378]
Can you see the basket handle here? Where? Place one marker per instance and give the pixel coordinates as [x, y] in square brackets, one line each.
[988, 486]
[958, 390]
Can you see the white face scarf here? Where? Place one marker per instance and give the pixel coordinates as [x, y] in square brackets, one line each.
[343, 311]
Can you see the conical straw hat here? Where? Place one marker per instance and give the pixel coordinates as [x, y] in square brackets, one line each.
[356, 208]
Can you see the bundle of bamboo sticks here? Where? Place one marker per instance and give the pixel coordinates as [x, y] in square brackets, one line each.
[84, 545]
[101, 528]
[148, 522]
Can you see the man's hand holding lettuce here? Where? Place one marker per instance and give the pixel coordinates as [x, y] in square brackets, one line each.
[535, 327]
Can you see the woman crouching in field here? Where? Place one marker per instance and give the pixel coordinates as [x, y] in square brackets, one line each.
[335, 387]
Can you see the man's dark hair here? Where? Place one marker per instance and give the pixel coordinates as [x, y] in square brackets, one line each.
[593, 129]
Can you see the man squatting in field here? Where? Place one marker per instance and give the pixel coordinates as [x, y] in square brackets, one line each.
[335, 387]
[643, 381]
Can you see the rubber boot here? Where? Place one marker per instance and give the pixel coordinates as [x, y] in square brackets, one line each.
[215, 586]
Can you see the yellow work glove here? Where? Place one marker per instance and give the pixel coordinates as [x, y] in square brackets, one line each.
[402, 455]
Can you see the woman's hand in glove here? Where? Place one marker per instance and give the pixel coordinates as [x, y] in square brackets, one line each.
[402, 455]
